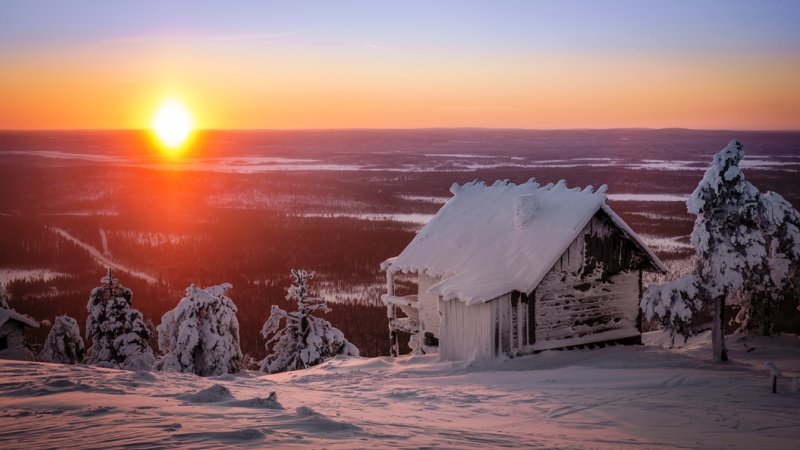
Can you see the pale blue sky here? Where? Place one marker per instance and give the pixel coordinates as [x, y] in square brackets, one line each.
[498, 26]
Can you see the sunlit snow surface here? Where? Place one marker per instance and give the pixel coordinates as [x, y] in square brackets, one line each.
[617, 397]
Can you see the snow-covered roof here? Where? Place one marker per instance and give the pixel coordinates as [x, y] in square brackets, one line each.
[10, 314]
[490, 240]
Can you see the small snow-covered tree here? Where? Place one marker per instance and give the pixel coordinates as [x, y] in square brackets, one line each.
[674, 304]
[201, 335]
[304, 340]
[118, 333]
[3, 298]
[747, 245]
[64, 344]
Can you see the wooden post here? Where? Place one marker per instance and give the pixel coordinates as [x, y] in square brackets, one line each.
[639, 307]
[512, 327]
[532, 318]
[718, 330]
[774, 373]
[391, 313]
[520, 321]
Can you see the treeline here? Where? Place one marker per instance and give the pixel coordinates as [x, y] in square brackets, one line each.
[254, 250]
[257, 245]
[364, 325]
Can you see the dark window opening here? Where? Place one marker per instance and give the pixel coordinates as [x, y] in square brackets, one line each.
[3, 342]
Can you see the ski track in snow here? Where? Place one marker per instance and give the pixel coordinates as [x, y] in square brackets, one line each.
[103, 258]
[617, 397]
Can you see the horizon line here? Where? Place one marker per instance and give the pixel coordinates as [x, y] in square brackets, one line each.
[256, 130]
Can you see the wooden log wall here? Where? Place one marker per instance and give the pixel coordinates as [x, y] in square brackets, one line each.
[593, 288]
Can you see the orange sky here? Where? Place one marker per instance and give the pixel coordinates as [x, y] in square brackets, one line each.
[280, 81]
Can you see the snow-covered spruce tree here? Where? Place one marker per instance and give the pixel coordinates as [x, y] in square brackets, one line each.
[731, 250]
[64, 344]
[201, 335]
[118, 333]
[304, 340]
[761, 301]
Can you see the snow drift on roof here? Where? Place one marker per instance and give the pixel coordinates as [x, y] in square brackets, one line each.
[490, 240]
[10, 314]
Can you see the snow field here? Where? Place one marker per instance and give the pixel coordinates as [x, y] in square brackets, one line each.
[616, 397]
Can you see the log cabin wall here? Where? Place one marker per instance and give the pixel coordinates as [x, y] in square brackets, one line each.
[12, 335]
[592, 289]
[513, 328]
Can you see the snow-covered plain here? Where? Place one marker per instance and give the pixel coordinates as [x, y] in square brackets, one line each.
[433, 162]
[616, 397]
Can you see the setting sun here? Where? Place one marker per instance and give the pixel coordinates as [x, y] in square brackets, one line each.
[172, 124]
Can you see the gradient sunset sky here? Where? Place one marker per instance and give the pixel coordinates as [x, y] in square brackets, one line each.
[379, 64]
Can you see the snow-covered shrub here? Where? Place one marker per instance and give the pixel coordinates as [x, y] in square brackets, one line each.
[304, 340]
[64, 344]
[746, 243]
[249, 362]
[201, 335]
[118, 333]
[673, 304]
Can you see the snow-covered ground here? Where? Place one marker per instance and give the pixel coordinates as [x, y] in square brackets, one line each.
[616, 397]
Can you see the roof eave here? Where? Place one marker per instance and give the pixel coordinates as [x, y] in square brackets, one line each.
[655, 262]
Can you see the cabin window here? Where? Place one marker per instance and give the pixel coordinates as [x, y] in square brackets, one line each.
[3, 342]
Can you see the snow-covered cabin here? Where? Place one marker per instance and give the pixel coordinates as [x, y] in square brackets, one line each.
[514, 269]
[12, 334]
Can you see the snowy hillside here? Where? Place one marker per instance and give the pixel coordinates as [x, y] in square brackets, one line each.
[616, 397]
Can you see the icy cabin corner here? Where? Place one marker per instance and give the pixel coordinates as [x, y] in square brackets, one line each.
[513, 269]
[12, 334]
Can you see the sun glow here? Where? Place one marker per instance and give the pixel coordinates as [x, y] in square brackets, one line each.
[172, 124]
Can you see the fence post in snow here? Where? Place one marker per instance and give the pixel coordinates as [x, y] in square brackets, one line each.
[774, 373]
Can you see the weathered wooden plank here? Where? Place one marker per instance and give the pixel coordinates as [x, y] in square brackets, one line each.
[466, 330]
[592, 289]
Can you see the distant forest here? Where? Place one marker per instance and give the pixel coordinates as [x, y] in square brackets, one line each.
[207, 227]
